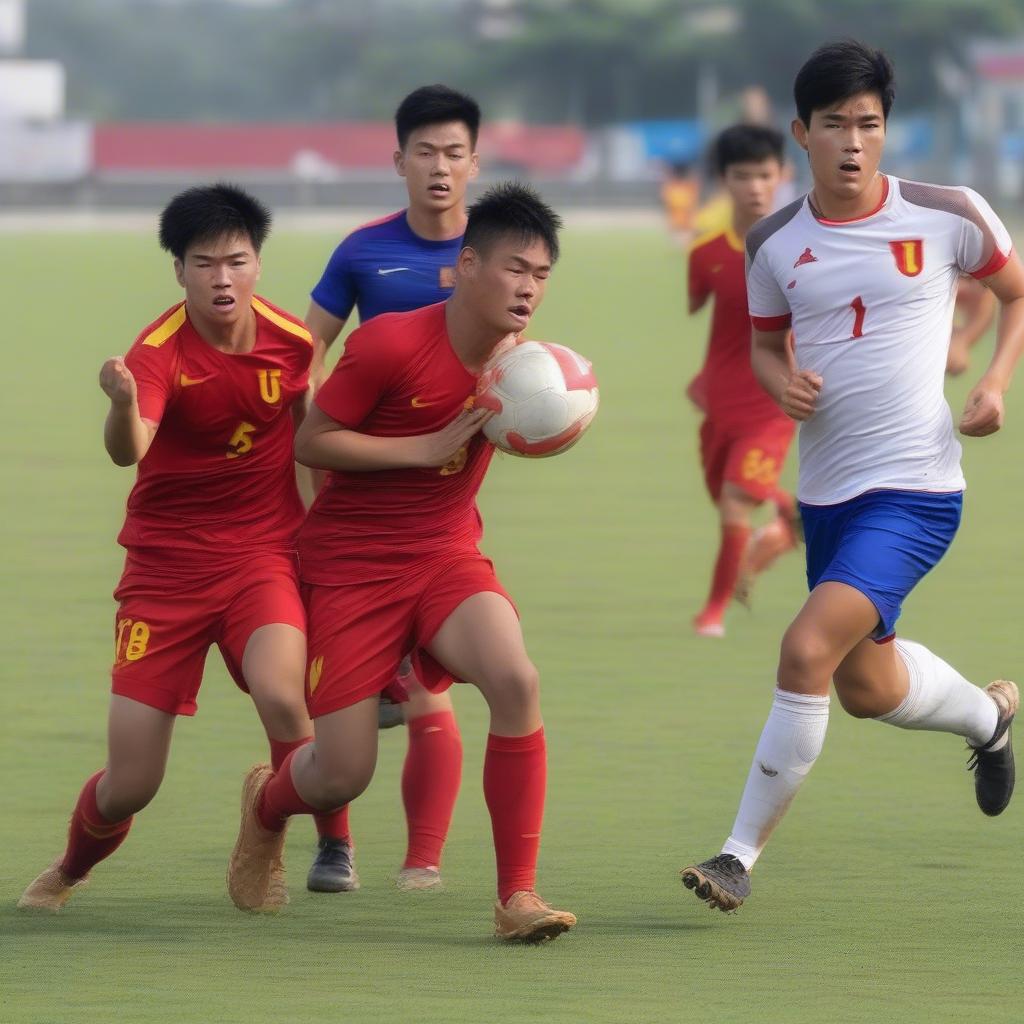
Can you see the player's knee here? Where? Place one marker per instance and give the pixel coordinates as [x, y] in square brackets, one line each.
[805, 658]
[123, 794]
[516, 686]
[344, 778]
[283, 711]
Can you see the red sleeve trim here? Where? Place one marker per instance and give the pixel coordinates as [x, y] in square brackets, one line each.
[997, 261]
[772, 323]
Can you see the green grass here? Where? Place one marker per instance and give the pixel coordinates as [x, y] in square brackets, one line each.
[885, 896]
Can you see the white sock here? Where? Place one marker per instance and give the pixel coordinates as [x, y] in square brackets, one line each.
[941, 700]
[790, 744]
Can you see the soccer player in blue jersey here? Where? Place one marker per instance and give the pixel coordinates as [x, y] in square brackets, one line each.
[396, 264]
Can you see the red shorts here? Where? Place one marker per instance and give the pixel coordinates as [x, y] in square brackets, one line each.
[751, 457]
[166, 622]
[359, 633]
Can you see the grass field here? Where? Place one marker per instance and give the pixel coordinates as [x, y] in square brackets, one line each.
[885, 896]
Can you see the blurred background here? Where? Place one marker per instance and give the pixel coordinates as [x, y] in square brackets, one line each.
[115, 103]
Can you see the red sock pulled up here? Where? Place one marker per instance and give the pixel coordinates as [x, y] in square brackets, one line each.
[91, 837]
[727, 568]
[281, 799]
[430, 785]
[329, 824]
[515, 782]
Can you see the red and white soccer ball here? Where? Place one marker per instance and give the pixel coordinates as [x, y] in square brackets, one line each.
[544, 396]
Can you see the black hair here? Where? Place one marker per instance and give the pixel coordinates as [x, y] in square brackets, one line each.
[746, 143]
[836, 71]
[511, 208]
[208, 212]
[436, 104]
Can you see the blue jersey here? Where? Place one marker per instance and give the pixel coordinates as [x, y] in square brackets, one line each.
[384, 267]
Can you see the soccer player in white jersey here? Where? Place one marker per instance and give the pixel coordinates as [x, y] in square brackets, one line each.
[864, 270]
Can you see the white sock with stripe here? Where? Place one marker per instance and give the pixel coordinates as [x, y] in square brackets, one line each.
[790, 744]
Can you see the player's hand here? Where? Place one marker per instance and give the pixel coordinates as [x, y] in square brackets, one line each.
[439, 448]
[117, 382]
[983, 412]
[801, 395]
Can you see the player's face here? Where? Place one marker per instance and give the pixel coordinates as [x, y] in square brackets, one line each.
[844, 144]
[438, 163]
[506, 282]
[219, 277]
[751, 186]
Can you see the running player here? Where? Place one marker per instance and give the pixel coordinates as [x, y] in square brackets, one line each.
[397, 264]
[390, 562]
[865, 269]
[203, 403]
[744, 437]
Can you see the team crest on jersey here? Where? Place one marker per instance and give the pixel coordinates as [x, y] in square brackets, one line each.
[805, 257]
[446, 277]
[909, 256]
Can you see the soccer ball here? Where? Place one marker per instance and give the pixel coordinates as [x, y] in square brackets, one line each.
[544, 395]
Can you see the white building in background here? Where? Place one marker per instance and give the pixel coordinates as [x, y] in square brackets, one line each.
[36, 143]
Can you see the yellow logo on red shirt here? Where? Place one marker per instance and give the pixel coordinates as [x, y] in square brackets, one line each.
[316, 670]
[270, 386]
[418, 403]
[909, 256]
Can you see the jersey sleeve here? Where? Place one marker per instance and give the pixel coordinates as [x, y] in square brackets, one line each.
[985, 244]
[336, 289]
[153, 370]
[698, 286]
[360, 379]
[766, 301]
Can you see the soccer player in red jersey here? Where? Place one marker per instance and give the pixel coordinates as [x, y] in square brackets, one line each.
[392, 265]
[744, 437]
[203, 403]
[974, 314]
[390, 562]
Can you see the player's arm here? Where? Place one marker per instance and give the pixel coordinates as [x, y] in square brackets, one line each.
[323, 443]
[325, 328]
[980, 313]
[126, 435]
[983, 412]
[774, 365]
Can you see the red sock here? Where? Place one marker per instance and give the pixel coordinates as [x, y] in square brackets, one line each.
[91, 838]
[727, 568]
[280, 798]
[515, 780]
[430, 784]
[330, 824]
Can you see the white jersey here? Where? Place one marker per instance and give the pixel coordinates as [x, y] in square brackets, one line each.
[871, 303]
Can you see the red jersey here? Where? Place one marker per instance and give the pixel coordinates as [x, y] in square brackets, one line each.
[218, 481]
[731, 392]
[398, 377]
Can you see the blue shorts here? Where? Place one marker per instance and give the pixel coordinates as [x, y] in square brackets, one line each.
[881, 543]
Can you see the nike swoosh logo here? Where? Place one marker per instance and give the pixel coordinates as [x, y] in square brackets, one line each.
[188, 382]
[418, 403]
[392, 270]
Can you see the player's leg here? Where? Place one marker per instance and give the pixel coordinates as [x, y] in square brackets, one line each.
[431, 777]
[902, 683]
[834, 619]
[354, 644]
[481, 642]
[263, 640]
[138, 742]
[735, 508]
[755, 467]
[317, 777]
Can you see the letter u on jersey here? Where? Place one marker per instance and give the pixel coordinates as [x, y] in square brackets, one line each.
[270, 386]
[909, 254]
